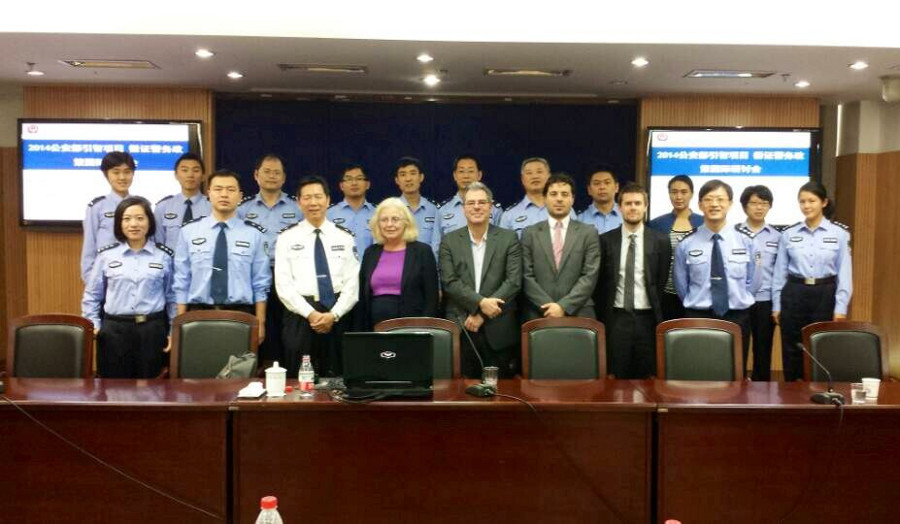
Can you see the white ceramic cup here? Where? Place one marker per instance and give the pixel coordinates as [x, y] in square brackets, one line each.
[276, 380]
[871, 385]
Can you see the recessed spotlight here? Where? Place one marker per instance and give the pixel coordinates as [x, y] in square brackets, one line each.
[612, 101]
[235, 75]
[204, 53]
[432, 99]
[265, 95]
[802, 84]
[407, 98]
[640, 62]
[431, 80]
[32, 71]
[425, 58]
[340, 97]
[859, 65]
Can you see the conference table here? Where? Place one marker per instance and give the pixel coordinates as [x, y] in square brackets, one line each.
[550, 451]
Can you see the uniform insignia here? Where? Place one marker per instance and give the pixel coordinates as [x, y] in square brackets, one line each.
[94, 201]
[345, 230]
[448, 216]
[192, 221]
[266, 247]
[830, 240]
[337, 247]
[155, 265]
[285, 228]
[429, 219]
[843, 226]
[251, 215]
[511, 206]
[115, 264]
[770, 243]
[338, 221]
[110, 246]
[242, 243]
[696, 252]
[246, 199]
[781, 229]
[796, 239]
[741, 228]
[163, 199]
[289, 215]
[171, 215]
[355, 252]
[741, 251]
[522, 218]
[297, 247]
[109, 214]
[255, 226]
[198, 241]
[497, 205]
[165, 249]
[292, 197]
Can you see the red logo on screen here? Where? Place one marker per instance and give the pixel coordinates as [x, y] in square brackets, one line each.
[662, 137]
[32, 128]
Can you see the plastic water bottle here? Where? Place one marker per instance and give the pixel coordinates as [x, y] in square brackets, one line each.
[307, 377]
[268, 511]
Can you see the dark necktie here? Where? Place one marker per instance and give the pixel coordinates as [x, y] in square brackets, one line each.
[219, 281]
[718, 280]
[188, 212]
[323, 275]
[629, 274]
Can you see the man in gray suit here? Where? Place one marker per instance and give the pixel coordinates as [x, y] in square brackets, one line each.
[481, 275]
[561, 258]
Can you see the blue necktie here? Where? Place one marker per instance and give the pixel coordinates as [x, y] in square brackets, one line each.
[188, 212]
[219, 281]
[718, 280]
[323, 275]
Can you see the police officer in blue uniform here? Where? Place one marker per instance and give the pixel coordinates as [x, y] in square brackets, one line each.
[757, 201]
[118, 168]
[530, 210]
[129, 297]
[813, 276]
[221, 261]
[354, 211]
[603, 213]
[715, 266]
[409, 176]
[465, 171]
[174, 210]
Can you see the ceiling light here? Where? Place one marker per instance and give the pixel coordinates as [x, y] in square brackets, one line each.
[265, 95]
[726, 73]
[859, 65]
[111, 64]
[32, 71]
[325, 68]
[425, 58]
[431, 80]
[432, 99]
[340, 97]
[204, 53]
[527, 72]
[618, 82]
[640, 62]
[407, 98]
[612, 101]
[801, 84]
[235, 75]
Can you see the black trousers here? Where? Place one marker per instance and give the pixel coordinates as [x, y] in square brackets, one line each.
[763, 329]
[129, 350]
[671, 306]
[243, 308]
[801, 305]
[299, 339]
[741, 317]
[272, 348]
[503, 358]
[631, 344]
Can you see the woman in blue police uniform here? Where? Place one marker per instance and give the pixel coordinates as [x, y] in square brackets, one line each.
[132, 281]
[813, 276]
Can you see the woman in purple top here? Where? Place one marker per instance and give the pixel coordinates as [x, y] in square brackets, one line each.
[398, 275]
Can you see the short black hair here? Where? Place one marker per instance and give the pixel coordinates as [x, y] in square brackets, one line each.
[714, 184]
[269, 156]
[223, 173]
[760, 192]
[311, 180]
[559, 178]
[116, 159]
[602, 168]
[466, 157]
[120, 211]
[190, 156]
[352, 166]
[633, 187]
[409, 161]
[681, 178]
[819, 190]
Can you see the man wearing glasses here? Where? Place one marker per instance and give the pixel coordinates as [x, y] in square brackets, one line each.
[354, 211]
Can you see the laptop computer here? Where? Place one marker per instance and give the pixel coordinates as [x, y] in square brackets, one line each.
[388, 364]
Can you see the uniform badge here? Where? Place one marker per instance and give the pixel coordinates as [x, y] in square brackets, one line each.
[696, 252]
[109, 214]
[171, 215]
[198, 241]
[739, 251]
[337, 248]
[769, 243]
[242, 243]
[355, 253]
[251, 216]
[266, 247]
[429, 219]
[830, 240]
[521, 218]
[338, 220]
[796, 239]
[155, 265]
[448, 216]
[115, 263]
[297, 247]
[289, 215]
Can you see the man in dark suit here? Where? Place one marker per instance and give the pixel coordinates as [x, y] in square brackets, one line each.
[481, 274]
[561, 258]
[634, 266]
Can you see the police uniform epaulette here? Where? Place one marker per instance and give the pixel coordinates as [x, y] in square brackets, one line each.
[782, 227]
[507, 208]
[163, 199]
[442, 203]
[192, 221]
[255, 225]
[247, 199]
[165, 249]
[345, 230]
[795, 224]
[742, 228]
[285, 228]
[497, 205]
[841, 225]
[94, 201]
[292, 197]
[105, 248]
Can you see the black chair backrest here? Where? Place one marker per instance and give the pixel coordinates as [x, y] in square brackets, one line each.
[204, 344]
[567, 348]
[51, 346]
[848, 355]
[699, 354]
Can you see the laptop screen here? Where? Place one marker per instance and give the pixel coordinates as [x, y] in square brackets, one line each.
[388, 360]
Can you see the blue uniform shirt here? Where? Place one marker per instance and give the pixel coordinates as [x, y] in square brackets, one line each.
[98, 230]
[453, 218]
[429, 222]
[765, 243]
[249, 274]
[129, 282]
[524, 214]
[169, 213]
[818, 253]
[601, 222]
[357, 221]
[693, 264]
[284, 213]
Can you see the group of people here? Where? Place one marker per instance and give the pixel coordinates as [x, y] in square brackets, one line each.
[311, 271]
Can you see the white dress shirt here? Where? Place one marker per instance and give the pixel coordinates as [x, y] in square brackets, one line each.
[565, 228]
[640, 291]
[478, 250]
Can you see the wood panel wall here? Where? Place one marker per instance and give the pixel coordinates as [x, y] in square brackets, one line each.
[12, 263]
[53, 281]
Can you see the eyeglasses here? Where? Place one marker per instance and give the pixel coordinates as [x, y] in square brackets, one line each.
[714, 201]
[390, 220]
[477, 203]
